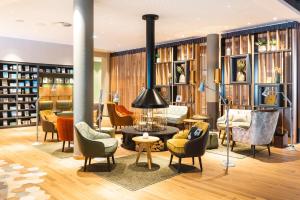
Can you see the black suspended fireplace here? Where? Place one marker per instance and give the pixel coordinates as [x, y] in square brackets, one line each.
[153, 107]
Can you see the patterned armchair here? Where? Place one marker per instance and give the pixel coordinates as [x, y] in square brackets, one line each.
[182, 147]
[93, 144]
[260, 132]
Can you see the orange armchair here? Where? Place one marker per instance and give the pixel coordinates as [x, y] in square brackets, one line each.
[123, 111]
[118, 119]
[65, 130]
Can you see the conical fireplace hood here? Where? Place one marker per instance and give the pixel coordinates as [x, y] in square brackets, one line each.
[150, 97]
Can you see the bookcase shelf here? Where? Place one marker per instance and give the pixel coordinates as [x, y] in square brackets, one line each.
[19, 90]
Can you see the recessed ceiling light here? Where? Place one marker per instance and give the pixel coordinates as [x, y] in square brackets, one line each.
[64, 24]
[228, 6]
[95, 36]
[274, 18]
[249, 23]
[183, 36]
[20, 20]
[41, 24]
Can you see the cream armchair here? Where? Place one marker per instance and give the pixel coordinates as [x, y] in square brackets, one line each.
[93, 144]
[237, 117]
[260, 132]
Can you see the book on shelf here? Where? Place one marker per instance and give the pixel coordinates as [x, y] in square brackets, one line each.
[5, 74]
[13, 84]
[63, 70]
[19, 106]
[19, 122]
[19, 76]
[34, 90]
[34, 98]
[27, 91]
[13, 91]
[13, 75]
[4, 91]
[27, 68]
[27, 76]
[58, 70]
[12, 108]
[13, 113]
[27, 83]
[33, 120]
[12, 123]
[4, 83]
[21, 84]
[5, 67]
[34, 76]
[26, 114]
[19, 67]
[48, 71]
[35, 84]
[26, 106]
[5, 107]
[14, 67]
[4, 122]
[4, 114]
[34, 69]
[53, 71]
[19, 114]
[33, 114]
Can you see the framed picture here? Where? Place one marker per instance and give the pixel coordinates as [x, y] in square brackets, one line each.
[181, 72]
[240, 68]
[178, 99]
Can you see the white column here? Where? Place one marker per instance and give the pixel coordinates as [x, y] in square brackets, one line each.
[83, 29]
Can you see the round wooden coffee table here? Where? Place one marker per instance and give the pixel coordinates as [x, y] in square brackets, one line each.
[145, 143]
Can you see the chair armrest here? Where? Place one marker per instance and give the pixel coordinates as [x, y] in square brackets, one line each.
[98, 135]
[196, 147]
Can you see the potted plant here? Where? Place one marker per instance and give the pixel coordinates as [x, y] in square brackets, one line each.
[180, 70]
[241, 75]
[273, 46]
[281, 138]
[262, 45]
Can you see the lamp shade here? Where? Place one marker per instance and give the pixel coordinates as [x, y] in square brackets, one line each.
[217, 75]
[201, 87]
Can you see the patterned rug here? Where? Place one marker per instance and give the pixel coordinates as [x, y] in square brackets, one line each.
[240, 151]
[134, 177]
[18, 182]
[54, 148]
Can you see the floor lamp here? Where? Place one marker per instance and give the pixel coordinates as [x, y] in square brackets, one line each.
[36, 143]
[226, 163]
[266, 93]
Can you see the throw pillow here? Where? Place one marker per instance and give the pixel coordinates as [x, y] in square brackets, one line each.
[194, 133]
[239, 118]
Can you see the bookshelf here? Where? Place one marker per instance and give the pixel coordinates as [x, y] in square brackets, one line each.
[20, 88]
[179, 70]
[18, 94]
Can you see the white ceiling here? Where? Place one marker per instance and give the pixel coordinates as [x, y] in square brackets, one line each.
[118, 23]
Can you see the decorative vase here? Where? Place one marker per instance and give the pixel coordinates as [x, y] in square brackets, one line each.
[182, 78]
[240, 77]
[273, 47]
[228, 51]
[262, 48]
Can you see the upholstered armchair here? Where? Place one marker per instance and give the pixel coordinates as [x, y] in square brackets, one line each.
[93, 144]
[65, 130]
[261, 131]
[181, 147]
[48, 120]
[123, 111]
[117, 119]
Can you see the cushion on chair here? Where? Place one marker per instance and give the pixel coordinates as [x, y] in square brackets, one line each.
[110, 144]
[194, 133]
[176, 145]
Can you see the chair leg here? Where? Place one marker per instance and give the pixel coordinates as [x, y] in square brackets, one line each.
[200, 163]
[108, 163]
[57, 137]
[69, 144]
[90, 159]
[233, 144]
[85, 161]
[269, 149]
[171, 158]
[193, 160]
[45, 136]
[52, 135]
[113, 159]
[179, 166]
[253, 150]
[63, 147]
[223, 138]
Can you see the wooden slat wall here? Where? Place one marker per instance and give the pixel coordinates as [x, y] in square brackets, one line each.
[127, 76]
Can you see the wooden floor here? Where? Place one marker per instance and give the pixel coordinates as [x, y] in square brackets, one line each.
[277, 177]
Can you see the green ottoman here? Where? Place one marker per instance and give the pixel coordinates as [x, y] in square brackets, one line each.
[212, 142]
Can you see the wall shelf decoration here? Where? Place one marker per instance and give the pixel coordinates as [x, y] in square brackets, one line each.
[240, 67]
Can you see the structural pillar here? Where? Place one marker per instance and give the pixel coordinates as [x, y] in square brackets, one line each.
[212, 98]
[83, 55]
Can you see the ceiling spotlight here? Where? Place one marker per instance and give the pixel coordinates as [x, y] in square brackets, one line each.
[228, 6]
[274, 18]
[64, 24]
[19, 20]
[95, 36]
[249, 23]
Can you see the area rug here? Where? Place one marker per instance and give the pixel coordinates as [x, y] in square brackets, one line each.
[54, 149]
[240, 151]
[134, 177]
[18, 182]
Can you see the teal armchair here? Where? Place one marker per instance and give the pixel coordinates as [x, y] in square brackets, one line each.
[93, 144]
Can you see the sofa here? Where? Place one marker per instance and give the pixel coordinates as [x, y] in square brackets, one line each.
[181, 147]
[237, 117]
[175, 114]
